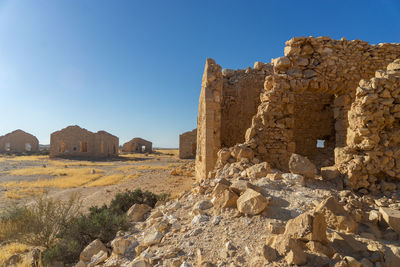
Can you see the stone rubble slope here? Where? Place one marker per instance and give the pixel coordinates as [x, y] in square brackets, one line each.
[273, 219]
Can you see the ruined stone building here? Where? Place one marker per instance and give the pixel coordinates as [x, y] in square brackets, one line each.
[138, 145]
[188, 145]
[75, 141]
[336, 102]
[18, 141]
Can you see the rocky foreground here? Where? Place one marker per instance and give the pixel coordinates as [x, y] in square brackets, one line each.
[252, 215]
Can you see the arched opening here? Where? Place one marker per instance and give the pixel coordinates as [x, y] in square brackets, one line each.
[7, 146]
[63, 146]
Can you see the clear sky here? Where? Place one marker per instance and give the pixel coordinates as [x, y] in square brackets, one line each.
[134, 68]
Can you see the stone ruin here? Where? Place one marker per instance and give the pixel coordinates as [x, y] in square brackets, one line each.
[74, 141]
[336, 102]
[138, 145]
[18, 141]
[188, 145]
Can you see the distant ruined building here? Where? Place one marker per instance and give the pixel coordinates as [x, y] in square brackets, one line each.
[138, 145]
[75, 141]
[188, 145]
[18, 141]
[336, 102]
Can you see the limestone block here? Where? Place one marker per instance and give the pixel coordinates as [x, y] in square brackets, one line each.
[251, 202]
[137, 212]
[302, 165]
[392, 217]
[92, 249]
[329, 173]
[258, 170]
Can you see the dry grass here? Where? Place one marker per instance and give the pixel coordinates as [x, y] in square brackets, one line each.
[65, 177]
[6, 251]
[24, 193]
[55, 171]
[175, 152]
[112, 179]
[24, 158]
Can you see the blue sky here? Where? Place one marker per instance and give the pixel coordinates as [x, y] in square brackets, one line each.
[134, 68]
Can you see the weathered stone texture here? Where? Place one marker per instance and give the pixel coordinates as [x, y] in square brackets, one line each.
[228, 101]
[138, 145]
[319, 65]
[373, 135]
[188, 145]
[75, 141]
[209, 119]
[18, 141]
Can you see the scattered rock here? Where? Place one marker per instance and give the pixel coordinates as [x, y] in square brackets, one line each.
[251, 202]
[137, 212]
[330, 173]
[302, 165]
[152, 238]
[258, 170]
[92, 249]
[391, 217]
[336, 216]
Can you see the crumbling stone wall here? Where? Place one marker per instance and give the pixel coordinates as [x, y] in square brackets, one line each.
[74, 141]
[320, 65]
[138, 145]
[228, 101]
[18, 141]
[188, 145]
[373, 137]
[240, 98]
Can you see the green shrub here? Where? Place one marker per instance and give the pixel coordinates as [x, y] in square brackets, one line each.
[61, 228]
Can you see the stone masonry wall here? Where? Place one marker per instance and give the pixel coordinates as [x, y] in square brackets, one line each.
[240, 99]
[209, 119]
[316, 65]
[19, 141]
[373, 139]
[188, 145]
[75, 141]
[138, 145]
[228, 101]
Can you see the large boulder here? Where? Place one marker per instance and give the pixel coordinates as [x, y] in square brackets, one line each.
[329, 173]
[302, 165]
[307, 227]
[152, 238]
[137, 212]
[392, 217]
[258, 170]
[92, 249]
[251, 202]
[336, 216]
[225, 199]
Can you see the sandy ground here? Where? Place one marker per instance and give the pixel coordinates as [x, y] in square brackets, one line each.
[150, 178]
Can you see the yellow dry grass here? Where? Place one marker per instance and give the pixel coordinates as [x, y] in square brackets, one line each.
[168, 151]
[6, 251]
[65, 177]
[56, 171]
[24, 158]
[24, 193]
[112, 179]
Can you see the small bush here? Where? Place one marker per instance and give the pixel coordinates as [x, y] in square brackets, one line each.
[123, 201]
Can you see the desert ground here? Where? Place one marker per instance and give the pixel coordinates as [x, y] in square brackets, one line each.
[22, 178]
